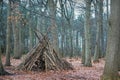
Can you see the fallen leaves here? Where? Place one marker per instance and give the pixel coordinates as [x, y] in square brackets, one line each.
[79, 73]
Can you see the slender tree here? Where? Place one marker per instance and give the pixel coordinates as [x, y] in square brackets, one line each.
[62, 27]
[83, 49]
[15, 27]
[97, 45]
[8, 32]
[2, 71]
[101, 28]
[29, 16]
[87, 34]
[54, 31]
[69, 13]
[30, 35]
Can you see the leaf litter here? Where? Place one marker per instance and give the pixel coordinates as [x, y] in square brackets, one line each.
[79, 73]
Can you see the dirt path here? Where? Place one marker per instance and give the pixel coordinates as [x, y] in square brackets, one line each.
[79, 73]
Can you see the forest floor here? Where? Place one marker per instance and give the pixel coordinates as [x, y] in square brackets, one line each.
[79, 72]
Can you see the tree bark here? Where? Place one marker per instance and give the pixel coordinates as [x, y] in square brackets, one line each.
[70, 38]
[111, 65]
[62, 28]
[8, 32]
[2, 71]
[20, 40]
[119, 59]
[38, 28]
[15, 27]
[52, 12]
[102, 51]
[107, 25]
[87, 35]
[16, 40]
[97, 45]
[30, 37]
[77, 42]
[83, 50]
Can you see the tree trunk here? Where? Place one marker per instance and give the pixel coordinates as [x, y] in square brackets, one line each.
[107, 25]
[15, 26]
[70, 37]
[67, 43]
[119, 59]
[38, 28]
[2, 71]
[87, 35]
[101, 28]
[16, 40]
[111, 67]
[77, 42]
[83, 50]
[63, 39]
[52, 12]
[20, 40]
[30, 37]
[8, 32]
[62, 31]
[97, 46]
[97, 22]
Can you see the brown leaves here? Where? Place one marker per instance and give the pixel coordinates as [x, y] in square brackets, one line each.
[80, 72]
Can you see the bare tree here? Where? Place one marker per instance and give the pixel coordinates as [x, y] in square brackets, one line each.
[2, 71]
[113, 43]
[52, 12]
[87, 34]
[99, 47]
[7, 63]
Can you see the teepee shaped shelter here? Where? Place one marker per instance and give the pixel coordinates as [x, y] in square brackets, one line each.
[43, 58]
